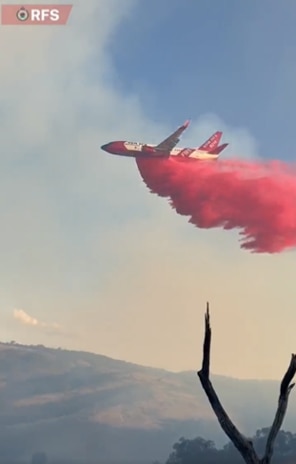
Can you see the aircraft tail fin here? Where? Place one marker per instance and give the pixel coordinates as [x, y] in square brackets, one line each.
[212, 143]
[219, 149]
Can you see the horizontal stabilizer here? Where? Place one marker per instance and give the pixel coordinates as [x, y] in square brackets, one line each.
[219, 149]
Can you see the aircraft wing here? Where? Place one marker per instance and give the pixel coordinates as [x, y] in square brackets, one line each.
[170, 142]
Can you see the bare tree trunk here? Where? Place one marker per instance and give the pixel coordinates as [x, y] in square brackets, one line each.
[243, 445]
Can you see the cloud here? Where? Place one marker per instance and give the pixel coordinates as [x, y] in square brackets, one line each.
[24, 318]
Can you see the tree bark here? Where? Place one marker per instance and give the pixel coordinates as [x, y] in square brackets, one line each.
[243, 445]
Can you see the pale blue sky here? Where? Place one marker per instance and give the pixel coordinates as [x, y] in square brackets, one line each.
[83, 244]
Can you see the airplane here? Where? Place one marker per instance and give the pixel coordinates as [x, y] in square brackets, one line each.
[209, 150]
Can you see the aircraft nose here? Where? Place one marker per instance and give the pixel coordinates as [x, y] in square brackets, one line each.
[105, 147]
[115, 148]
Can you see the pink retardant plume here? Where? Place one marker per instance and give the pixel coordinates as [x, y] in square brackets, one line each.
[257, 198]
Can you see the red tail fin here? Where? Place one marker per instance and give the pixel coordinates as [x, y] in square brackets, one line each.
[212, 143]
[219, 149]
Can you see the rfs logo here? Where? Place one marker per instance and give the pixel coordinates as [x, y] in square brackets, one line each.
[38, 14]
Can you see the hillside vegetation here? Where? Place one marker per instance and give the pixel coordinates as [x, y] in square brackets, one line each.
[90, 406]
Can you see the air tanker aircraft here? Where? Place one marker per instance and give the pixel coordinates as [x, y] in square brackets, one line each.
[209, 150]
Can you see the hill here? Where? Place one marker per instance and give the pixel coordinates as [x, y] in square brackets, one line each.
[90, 406]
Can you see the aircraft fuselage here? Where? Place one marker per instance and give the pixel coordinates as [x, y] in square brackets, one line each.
[141, 150]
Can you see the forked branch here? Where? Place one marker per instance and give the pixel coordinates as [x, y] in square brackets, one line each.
[243, 445]
[286, 387]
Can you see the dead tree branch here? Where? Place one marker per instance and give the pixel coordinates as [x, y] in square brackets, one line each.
[286, 387]
[243, 445]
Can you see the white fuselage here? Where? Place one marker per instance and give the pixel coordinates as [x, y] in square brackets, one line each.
[138, 149]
